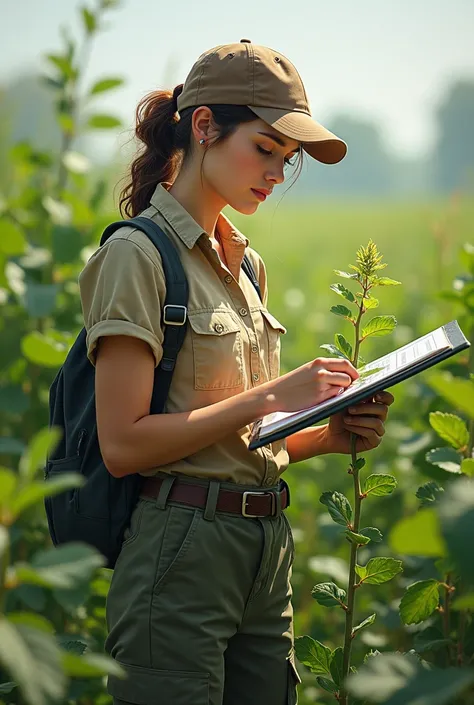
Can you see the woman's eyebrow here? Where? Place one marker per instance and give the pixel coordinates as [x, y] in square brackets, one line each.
[278, 140]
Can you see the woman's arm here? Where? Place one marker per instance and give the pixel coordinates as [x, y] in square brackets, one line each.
[307, 444]
[131, 439]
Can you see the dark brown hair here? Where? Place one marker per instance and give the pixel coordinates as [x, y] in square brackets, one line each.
[166, 143]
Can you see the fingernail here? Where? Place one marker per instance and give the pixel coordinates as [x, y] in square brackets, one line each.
[348, 419]
[378, 397]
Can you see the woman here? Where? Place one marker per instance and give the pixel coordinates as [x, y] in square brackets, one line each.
[199, 607]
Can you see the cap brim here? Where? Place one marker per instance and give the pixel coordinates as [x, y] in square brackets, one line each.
[321, 144]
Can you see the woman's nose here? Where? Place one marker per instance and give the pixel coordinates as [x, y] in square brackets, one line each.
[276, 175]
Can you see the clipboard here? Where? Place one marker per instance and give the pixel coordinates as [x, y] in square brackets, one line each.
[388, 370]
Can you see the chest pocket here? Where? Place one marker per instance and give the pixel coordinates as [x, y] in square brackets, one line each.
[217, 350]
[273, 332]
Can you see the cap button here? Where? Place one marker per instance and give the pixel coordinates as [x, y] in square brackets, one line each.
[246, 41]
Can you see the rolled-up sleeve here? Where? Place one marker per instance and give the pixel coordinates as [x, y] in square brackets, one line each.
[122, 290]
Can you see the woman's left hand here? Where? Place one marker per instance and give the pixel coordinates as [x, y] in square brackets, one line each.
[366, 419]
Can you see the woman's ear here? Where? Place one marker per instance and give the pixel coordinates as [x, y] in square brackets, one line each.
[203, 125]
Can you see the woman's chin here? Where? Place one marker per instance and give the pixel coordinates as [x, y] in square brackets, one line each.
[245, 207]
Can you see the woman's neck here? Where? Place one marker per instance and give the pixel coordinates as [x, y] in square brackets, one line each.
[201, 203]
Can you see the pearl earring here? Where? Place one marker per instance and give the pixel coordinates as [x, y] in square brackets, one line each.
[202, 141]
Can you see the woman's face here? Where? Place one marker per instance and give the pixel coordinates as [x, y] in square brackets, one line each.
[246, 166]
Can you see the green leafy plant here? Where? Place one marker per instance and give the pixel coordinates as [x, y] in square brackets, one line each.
[333, 667]
[38, 661]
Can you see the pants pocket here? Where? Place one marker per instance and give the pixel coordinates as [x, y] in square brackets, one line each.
[147, 686]
[179, 531]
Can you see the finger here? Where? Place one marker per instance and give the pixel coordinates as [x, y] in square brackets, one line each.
[368, 423]
[337, 379]
[367, 433]
[338, 365]
[385, 398]
[370, 409]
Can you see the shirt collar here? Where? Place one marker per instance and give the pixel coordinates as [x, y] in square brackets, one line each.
[184, 224]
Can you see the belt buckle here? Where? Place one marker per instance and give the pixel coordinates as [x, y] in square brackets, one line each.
[245, 502]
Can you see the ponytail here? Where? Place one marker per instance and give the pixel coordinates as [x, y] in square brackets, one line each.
[156, 118]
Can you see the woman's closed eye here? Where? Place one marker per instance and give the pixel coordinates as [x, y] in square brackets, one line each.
[289, 162]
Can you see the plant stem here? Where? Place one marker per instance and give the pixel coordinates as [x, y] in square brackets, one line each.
[447, 613]
[470, 367]
[343, 698]
[351, 588]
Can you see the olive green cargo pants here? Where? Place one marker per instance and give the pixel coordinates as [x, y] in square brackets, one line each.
[199, 609]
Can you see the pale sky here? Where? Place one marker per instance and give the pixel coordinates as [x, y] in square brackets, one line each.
[388, 60]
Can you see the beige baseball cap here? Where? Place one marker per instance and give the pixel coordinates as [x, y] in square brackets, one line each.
[266, 82]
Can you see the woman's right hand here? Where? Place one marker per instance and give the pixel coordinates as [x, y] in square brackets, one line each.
[310, 384]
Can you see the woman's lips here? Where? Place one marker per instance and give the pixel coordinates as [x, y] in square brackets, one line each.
[261, 196]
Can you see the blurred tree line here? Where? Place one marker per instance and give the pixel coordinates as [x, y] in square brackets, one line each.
[370, 169]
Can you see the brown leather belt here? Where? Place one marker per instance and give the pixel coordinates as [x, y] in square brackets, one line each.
[248, 504]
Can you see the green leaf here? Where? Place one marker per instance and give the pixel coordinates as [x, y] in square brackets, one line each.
[381, 570]
[345, 275]
[385, 281]
[32, 659]
[359, 464]
[446, 458]
[328, 594]
[418, 535]
[336, 666]
[37, 491]
[326, 684]
[370, 303]
[430, 639]
[357, 539]
[42, 443]
[379, 485]
[40, 299]
[90, 666]
[106, 84]
[8, 483]
[343, 345]
[467, 467]
[36, 621]
[361, 571]
[43, 350]
[372, 533]
[379, 325]
[429, 493]
[366, 623]
[342, 291]
[12, 240]
[419, 601]
[63, 567]
[7, 688]
[338, 506]
[450, 428]
[343, 311]
[313, 655]
[62, 63]
[90, 20]
[333, 351]
[457, 392]
[398, 679]
[103, 122]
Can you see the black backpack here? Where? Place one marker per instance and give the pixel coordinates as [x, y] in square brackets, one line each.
[99, 512]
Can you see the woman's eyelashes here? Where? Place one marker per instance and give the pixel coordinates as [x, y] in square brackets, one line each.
[288, 162]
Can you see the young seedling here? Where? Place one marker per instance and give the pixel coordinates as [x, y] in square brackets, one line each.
[333, 667]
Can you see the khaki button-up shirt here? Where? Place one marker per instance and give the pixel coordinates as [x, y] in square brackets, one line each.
[232, 342]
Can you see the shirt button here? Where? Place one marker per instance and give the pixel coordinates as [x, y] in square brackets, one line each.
[254, 349]
[218, 327]
[256, 377]
[243, 311]
[228, 279]
[269, 481]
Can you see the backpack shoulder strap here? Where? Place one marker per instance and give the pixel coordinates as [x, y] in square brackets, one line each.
[175, 309]
[250, 272]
